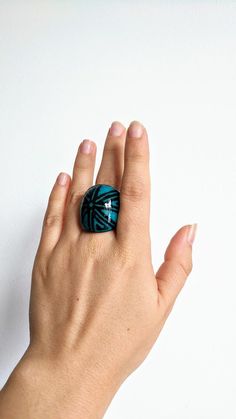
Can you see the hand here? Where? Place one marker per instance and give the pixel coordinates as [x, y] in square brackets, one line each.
[97, 306]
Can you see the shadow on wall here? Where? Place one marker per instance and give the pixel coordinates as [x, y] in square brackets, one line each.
[14, 324]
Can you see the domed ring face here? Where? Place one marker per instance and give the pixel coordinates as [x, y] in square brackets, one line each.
[99, 209]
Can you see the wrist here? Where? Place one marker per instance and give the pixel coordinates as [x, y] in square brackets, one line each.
[63, 387]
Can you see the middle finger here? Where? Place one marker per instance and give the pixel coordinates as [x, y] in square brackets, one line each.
[112, 164]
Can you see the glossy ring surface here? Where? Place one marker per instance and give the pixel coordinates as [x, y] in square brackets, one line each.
[99, 209]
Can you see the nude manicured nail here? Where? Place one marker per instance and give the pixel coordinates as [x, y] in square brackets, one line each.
[191, 233]
[116, 129]
[135, 130]
[62, 179]
[86, 147]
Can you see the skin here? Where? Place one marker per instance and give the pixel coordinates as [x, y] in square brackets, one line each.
[97, 305]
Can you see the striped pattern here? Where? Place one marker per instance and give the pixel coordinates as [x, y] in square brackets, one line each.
[99, 209]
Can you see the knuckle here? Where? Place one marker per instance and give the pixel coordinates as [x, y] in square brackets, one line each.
[186, 267]
[94, 249]
[50, 220]
[112, 180]
[53, 199]
[81, 167]
[39, 270]
[125, 257]
[75, 196]
[134, 191]
[178, 270]
[109, 150]
[112, 150]
[83, 163]
[135, 156]
[183, 268]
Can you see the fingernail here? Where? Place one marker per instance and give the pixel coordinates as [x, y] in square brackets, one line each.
[116, 129]
[62, 179]
[86, 147]
[135, 130]
[191, 233]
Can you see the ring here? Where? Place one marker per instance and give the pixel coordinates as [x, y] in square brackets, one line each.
[99, 209]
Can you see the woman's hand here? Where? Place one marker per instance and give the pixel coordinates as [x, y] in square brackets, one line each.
[97, 306]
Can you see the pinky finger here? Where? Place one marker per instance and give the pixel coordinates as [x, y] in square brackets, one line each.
[53, 219]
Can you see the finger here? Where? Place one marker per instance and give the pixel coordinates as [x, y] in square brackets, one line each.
[112, 164]
[82, 179]
[53, 219]
[177, 265]
[133, 217]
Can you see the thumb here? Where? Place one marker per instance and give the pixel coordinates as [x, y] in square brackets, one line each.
[177, 265]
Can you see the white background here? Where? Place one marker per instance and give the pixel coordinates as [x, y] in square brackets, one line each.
[67, 69]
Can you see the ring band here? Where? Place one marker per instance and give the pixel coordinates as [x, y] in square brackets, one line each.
[99, 208]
